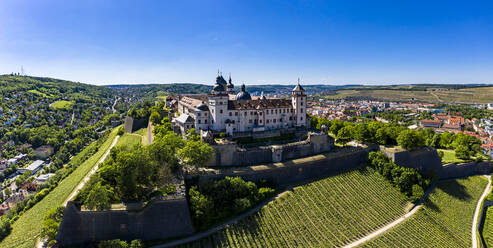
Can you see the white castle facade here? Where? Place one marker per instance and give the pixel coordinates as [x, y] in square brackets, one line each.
[224, 111]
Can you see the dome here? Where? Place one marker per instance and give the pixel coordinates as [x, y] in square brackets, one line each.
[298, 88]
[218, 87]
[262, 96]
[202, 107]
[220, 80]
[243, 95]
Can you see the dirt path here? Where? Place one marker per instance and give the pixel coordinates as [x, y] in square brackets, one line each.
[385, 228]
[477, 213]
[438, 98]
[93, 170]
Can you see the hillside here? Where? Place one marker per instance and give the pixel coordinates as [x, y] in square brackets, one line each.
[38, 111]
[326, 213]
[432, 93]
[445, 220]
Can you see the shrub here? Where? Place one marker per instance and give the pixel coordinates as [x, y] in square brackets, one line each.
[114, 243]
[405, 179]
[5, 228]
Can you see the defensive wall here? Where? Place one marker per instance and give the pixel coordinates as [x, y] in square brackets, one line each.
[297, 170]
[427, 161]
[230, 154]
[131, 124]
[160, 220]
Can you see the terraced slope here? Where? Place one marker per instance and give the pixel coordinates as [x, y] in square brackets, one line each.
[327, 213]
[444, 221]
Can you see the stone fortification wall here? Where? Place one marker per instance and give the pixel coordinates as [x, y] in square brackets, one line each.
[162, 219]
[426, 160]
[131, 125]
[230, 154]
[465, 169]
[429, 163]
[298, 170]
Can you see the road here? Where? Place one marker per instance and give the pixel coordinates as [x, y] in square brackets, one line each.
[114, 104]
[477, 213]
[93, 170]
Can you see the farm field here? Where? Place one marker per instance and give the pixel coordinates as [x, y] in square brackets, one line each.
[326, 213]
[488, 228]
[27, 228]
[466, 95]
[445, 220]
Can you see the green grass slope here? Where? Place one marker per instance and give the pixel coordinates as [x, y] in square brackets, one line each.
[326, 213]
[444, 221]
[488, 228]
[28, 227]
[129, 139]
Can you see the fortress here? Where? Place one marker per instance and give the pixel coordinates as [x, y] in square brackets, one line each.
[224, 111]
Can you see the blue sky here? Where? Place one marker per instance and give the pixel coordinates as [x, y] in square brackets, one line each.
[329, 42]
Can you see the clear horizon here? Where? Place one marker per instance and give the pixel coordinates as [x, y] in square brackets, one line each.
[258, 42]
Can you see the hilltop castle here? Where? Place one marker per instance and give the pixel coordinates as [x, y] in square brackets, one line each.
[225, 111]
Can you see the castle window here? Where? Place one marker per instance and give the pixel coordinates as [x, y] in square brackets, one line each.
[251, 112]
[236, 113]
[205, 121]
[198, 114]
[260, 121]
[220, 111]
[276, 111]
[205, 113]
[250, 121]
[284, 110]
[246, 113]
[301, 103]
[290, 118]
[280, 120]
[301, 118]
[230, 114]
[291, 110]
[199, 121]
[260, 113]
[267, 120]
[301, 110]
[274, 120]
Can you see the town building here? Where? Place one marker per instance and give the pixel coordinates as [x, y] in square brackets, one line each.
[224, 111]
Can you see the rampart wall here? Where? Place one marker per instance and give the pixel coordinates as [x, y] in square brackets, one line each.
[131, 125]
[162, 219]
[297, 170]
[230, 154]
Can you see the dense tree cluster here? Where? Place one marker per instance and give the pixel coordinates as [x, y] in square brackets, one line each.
[408, 180]
[212, 201]
[138, 173]
[376, 132]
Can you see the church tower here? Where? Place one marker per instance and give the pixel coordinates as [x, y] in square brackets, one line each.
[298, 99]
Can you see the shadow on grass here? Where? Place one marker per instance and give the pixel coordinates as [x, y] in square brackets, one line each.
[454, 189]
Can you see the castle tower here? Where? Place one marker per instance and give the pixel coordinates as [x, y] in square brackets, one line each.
[218, 106]
[231, 87]
[298, 99]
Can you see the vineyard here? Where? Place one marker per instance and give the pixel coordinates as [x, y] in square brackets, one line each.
[444, 221]
[488, 228]
[326, 213]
